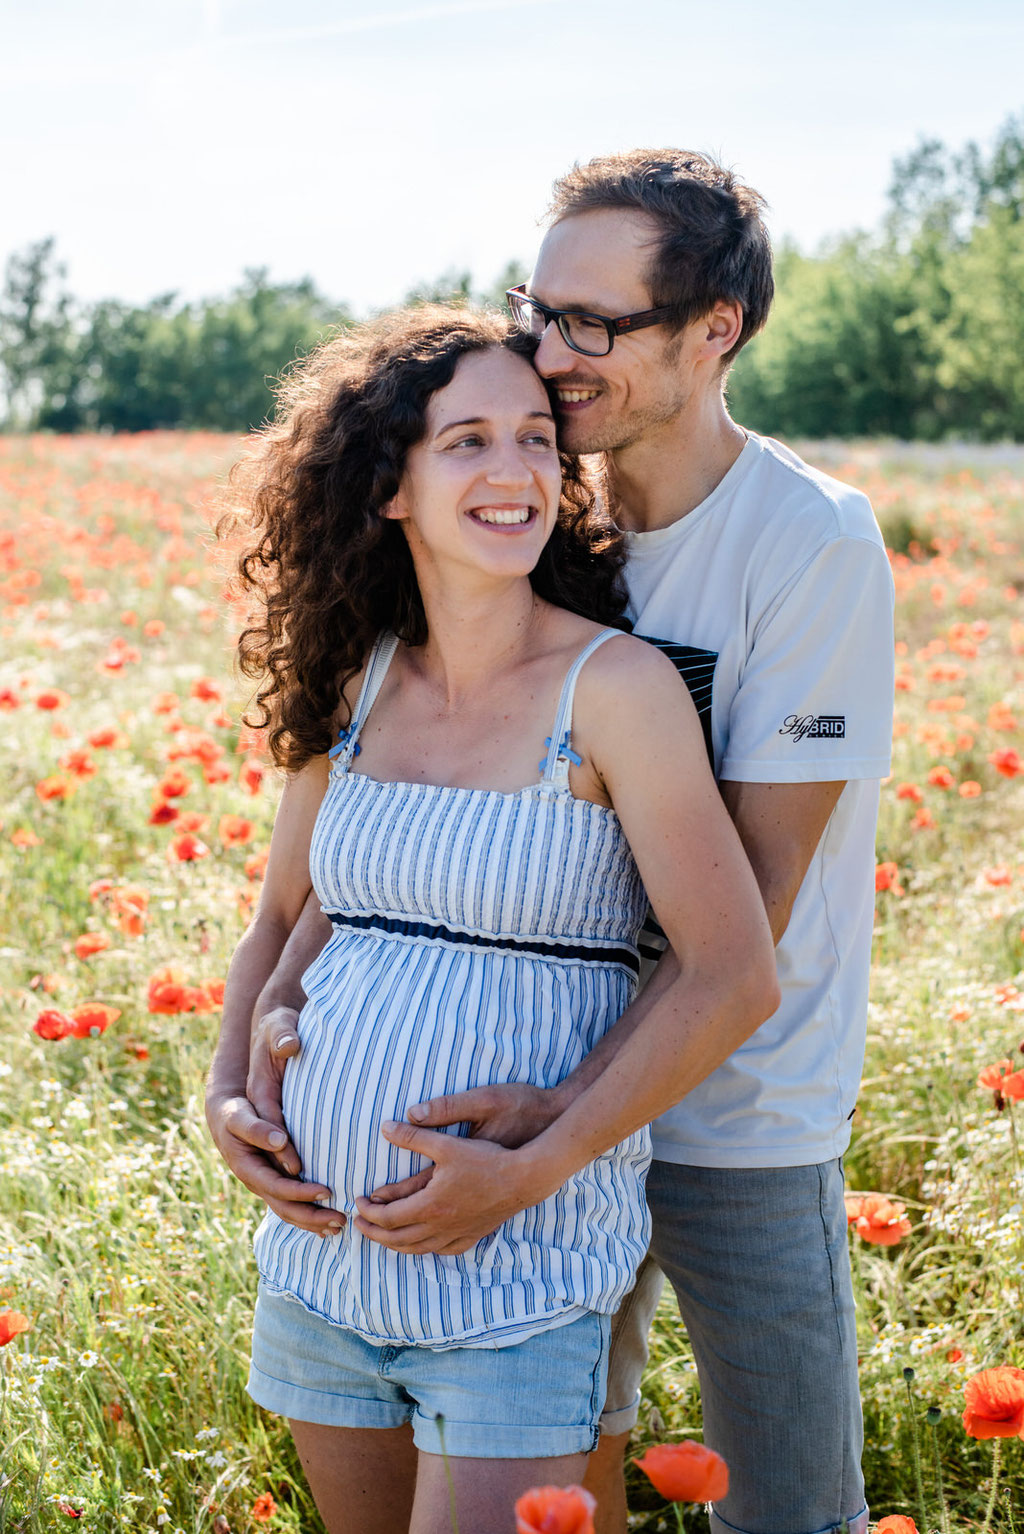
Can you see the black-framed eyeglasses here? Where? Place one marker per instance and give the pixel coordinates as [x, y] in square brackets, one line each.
[592, 334]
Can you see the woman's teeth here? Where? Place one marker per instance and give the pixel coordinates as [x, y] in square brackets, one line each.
[487, 515]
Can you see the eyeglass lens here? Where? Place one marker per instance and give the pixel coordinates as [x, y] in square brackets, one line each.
[583, 332]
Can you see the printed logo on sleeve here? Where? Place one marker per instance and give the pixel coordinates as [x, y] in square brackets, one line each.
[815, 726]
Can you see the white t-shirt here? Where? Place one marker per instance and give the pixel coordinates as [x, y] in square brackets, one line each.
[783, 576]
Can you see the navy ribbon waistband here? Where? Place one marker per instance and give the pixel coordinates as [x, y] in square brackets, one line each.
[396, 926]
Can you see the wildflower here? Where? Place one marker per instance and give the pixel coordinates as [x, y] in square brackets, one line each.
[887, 878]
[105, 739]
[896, 1523]
[880, 1221]
[251, 775]
[1006, 762]
[52, 1024]
[206, 689]
[187, 848]
[163, 813]
[995, 1403]
[941, 777]
[924, 820]
[999, 877]
[79, 764]
[92, 1018]
[686, 1471]
[234, 830]
[154, 628]
[11, 1323]
[969, 789]
[216, 772]
[167, 991]
[954, 1355]
[909, 791]
[555, 1510]
[128, 905]
[25, 838]
[264, 1508]
[174, 783]
[90, 943]
[52, 698]
[68, 1509]
[54, 787]
[256, 865]
[88, 1359]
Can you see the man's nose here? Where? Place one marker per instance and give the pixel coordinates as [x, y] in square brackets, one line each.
[553, 355]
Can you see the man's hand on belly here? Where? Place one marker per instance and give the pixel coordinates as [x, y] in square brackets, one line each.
[473, 1186]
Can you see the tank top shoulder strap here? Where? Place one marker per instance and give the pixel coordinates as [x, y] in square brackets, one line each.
[555, 766]
[381, 656]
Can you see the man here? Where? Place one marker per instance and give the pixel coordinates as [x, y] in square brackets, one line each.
[769, 585]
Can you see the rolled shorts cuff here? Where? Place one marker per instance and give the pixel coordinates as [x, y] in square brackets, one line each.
[858, 1524]
[622, 1420]
[305, 1404]
[480, 1440]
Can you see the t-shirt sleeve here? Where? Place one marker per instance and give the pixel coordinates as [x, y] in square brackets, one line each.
[815, 698]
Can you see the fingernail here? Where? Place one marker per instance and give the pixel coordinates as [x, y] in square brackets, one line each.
[277, 1138]
[336, 1226]
[389, 1127]
[417, 1112]
[286, 1038]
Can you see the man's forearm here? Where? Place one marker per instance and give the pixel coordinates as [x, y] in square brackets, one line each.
[251, 967]
[305, 942]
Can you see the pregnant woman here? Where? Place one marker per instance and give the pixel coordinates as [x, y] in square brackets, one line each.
[487, 779]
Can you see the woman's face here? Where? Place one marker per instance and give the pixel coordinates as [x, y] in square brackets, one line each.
[482, 488]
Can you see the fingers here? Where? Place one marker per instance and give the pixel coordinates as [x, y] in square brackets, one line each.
[455, 1108]
[238, 1122]
[425, 1142]
[279, 1024]
[318, 1221]
[416, 1240]
[392, 1191]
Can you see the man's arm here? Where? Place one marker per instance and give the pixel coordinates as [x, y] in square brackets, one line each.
[780, 826]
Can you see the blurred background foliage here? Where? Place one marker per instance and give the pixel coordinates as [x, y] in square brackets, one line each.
[913, 330]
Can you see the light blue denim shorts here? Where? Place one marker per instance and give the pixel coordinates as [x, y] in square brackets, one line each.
[528, 1400]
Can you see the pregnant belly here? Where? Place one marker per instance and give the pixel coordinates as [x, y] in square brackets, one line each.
[390, 1023]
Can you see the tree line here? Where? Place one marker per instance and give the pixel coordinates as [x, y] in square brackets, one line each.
[912, 330]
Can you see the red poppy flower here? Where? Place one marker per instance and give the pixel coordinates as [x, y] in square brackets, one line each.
[234, 830]
[1006, 762]
[555, 1510]
[9, 700]
[993, 1076]
[92, 1018]
[206, 689]
[887, 877]
[103, 740]
[25, 838]
[173, 784]
[90, 943]
[215, 990]
[52, 698]
[256, 865]
[995, 1403]
[193, 820]
[54, 787]
[11, 1323]
[153, 628]
[909, 791]
[166, 992]
[969, 789]
[264, 1508]
[79, 763]
[216, 772]
[187, 849]
[163, 813]
[880, 1221]
[68, 1509]
[941, 777]
[52, 1024]
[251, 775]
[686, 1471]
[896, 1523]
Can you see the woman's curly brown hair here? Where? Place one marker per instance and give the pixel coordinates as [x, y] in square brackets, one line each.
[326, 572]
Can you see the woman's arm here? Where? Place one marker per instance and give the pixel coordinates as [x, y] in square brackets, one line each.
[637, 726]
[229, 1113]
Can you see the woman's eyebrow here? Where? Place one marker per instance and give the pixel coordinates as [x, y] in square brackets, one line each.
[479, 420]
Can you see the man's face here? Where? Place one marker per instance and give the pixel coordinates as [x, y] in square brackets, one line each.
[598, 262]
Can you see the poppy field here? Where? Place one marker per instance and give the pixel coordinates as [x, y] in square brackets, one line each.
[135, 818]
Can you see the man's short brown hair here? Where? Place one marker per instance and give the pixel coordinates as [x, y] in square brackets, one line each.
[713, 243]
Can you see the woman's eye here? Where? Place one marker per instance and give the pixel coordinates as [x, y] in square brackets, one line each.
[539, 439]
[472, 441]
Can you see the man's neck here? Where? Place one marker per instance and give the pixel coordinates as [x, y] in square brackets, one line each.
[672, 469]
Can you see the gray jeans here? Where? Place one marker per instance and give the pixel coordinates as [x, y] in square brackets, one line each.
[759, 1262]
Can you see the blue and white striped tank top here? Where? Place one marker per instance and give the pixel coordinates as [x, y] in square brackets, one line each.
[480, 937]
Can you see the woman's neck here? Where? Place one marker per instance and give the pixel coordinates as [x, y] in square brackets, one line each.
[473, 638]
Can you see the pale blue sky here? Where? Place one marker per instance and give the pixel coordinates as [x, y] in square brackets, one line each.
[167, 144]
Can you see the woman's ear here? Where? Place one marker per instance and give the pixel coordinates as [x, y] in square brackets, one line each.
[394, 509]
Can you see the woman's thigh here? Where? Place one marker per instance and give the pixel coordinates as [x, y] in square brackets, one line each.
[363, 1480]
[477, 1496]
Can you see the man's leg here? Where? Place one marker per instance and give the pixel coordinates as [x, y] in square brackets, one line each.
[760, 1265]
[627, 1356]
